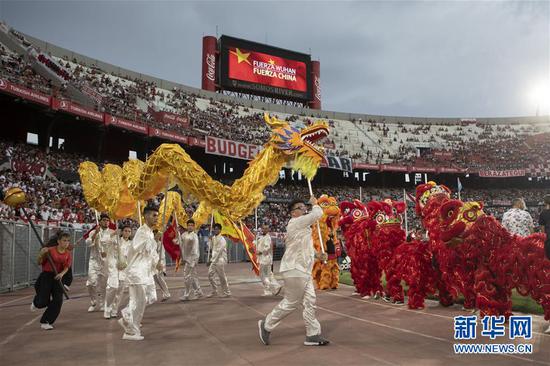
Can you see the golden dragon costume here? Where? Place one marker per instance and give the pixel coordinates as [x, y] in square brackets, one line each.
[117, 190]
[326, 276]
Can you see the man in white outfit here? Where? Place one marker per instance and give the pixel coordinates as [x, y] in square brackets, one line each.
[189, 246]
[98, 241]
[264, 249]
[296, 267]
[159, 275]
[111, 267]
[124, 246]
[218, 250]
[143, 261]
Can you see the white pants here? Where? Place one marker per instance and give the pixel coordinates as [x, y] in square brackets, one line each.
[96, 285]
[159, 280]
[271, 286]
[297, 290]
[111, 301]
[133, 313]
[218, 270]
[122, 296]
[191, 281]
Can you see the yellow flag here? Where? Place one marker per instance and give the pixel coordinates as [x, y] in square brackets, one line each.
[228, 227]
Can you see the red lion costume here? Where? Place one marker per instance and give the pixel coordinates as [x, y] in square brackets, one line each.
[385, 236]
[364, 270]
[480, 258]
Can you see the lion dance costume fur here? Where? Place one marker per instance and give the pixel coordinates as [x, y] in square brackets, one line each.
[327, 275]
[479, 258]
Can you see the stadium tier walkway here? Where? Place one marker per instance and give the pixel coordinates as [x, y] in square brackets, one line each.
[224, 332]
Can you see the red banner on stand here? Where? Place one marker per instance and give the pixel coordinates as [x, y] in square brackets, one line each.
[169, 135]
[126, 124]
[171, 118]
[20, 91]
[73, 108]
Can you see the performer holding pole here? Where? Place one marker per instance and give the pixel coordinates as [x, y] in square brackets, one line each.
[218, 248]
[296, 267]
[48, 286]
[124, 246]
[189, 245]
[111, 268]
[99, 240]
[161, 267]
[15, 197]
[264, 249]
[142, 262]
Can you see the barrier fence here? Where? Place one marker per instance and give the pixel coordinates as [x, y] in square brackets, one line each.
[19, 249]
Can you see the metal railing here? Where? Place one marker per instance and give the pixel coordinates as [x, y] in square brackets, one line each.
[19, 249]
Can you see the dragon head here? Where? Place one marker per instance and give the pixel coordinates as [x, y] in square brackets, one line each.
[426, 191]
[456, 218]
[299, 144]
[387, 212]
[352, 212]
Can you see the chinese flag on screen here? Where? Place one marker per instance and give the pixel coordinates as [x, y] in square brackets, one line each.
[261, 68]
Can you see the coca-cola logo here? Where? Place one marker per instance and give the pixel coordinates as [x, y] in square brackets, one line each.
[63, 104]
[317, 83]
[211, 63]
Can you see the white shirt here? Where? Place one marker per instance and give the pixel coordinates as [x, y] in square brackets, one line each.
[189, 246]
[124, 248]
[104, 239]
[218, 247]
[300, 253]
[142, 257]
[263, 245]
[518, 221]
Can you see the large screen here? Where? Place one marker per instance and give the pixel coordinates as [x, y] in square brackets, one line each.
[255, 68]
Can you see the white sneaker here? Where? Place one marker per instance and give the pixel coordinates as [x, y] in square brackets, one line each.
[212, 294]
[46, 326]
[547, 331]
[107, 316]
[102, 308]
[226, 295]
[164, 299]
[132, 337]
[33, 308]
[67, 288]
[91, 309]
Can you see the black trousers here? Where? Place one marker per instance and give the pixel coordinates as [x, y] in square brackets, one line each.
[68, 278]
[49, 295]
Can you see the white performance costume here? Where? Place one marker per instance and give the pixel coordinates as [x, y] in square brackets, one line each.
[296, 267]
[111, 262]
[159, 275]
[122, 291]
[264, 249]
[218, 248]
[189, 246]
[97, 266]
[142, 261]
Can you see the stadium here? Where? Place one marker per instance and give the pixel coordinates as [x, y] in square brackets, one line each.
[64, 108]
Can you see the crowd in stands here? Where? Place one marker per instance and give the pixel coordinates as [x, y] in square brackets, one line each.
[477, 146]
[51, 199]
[16, 70]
